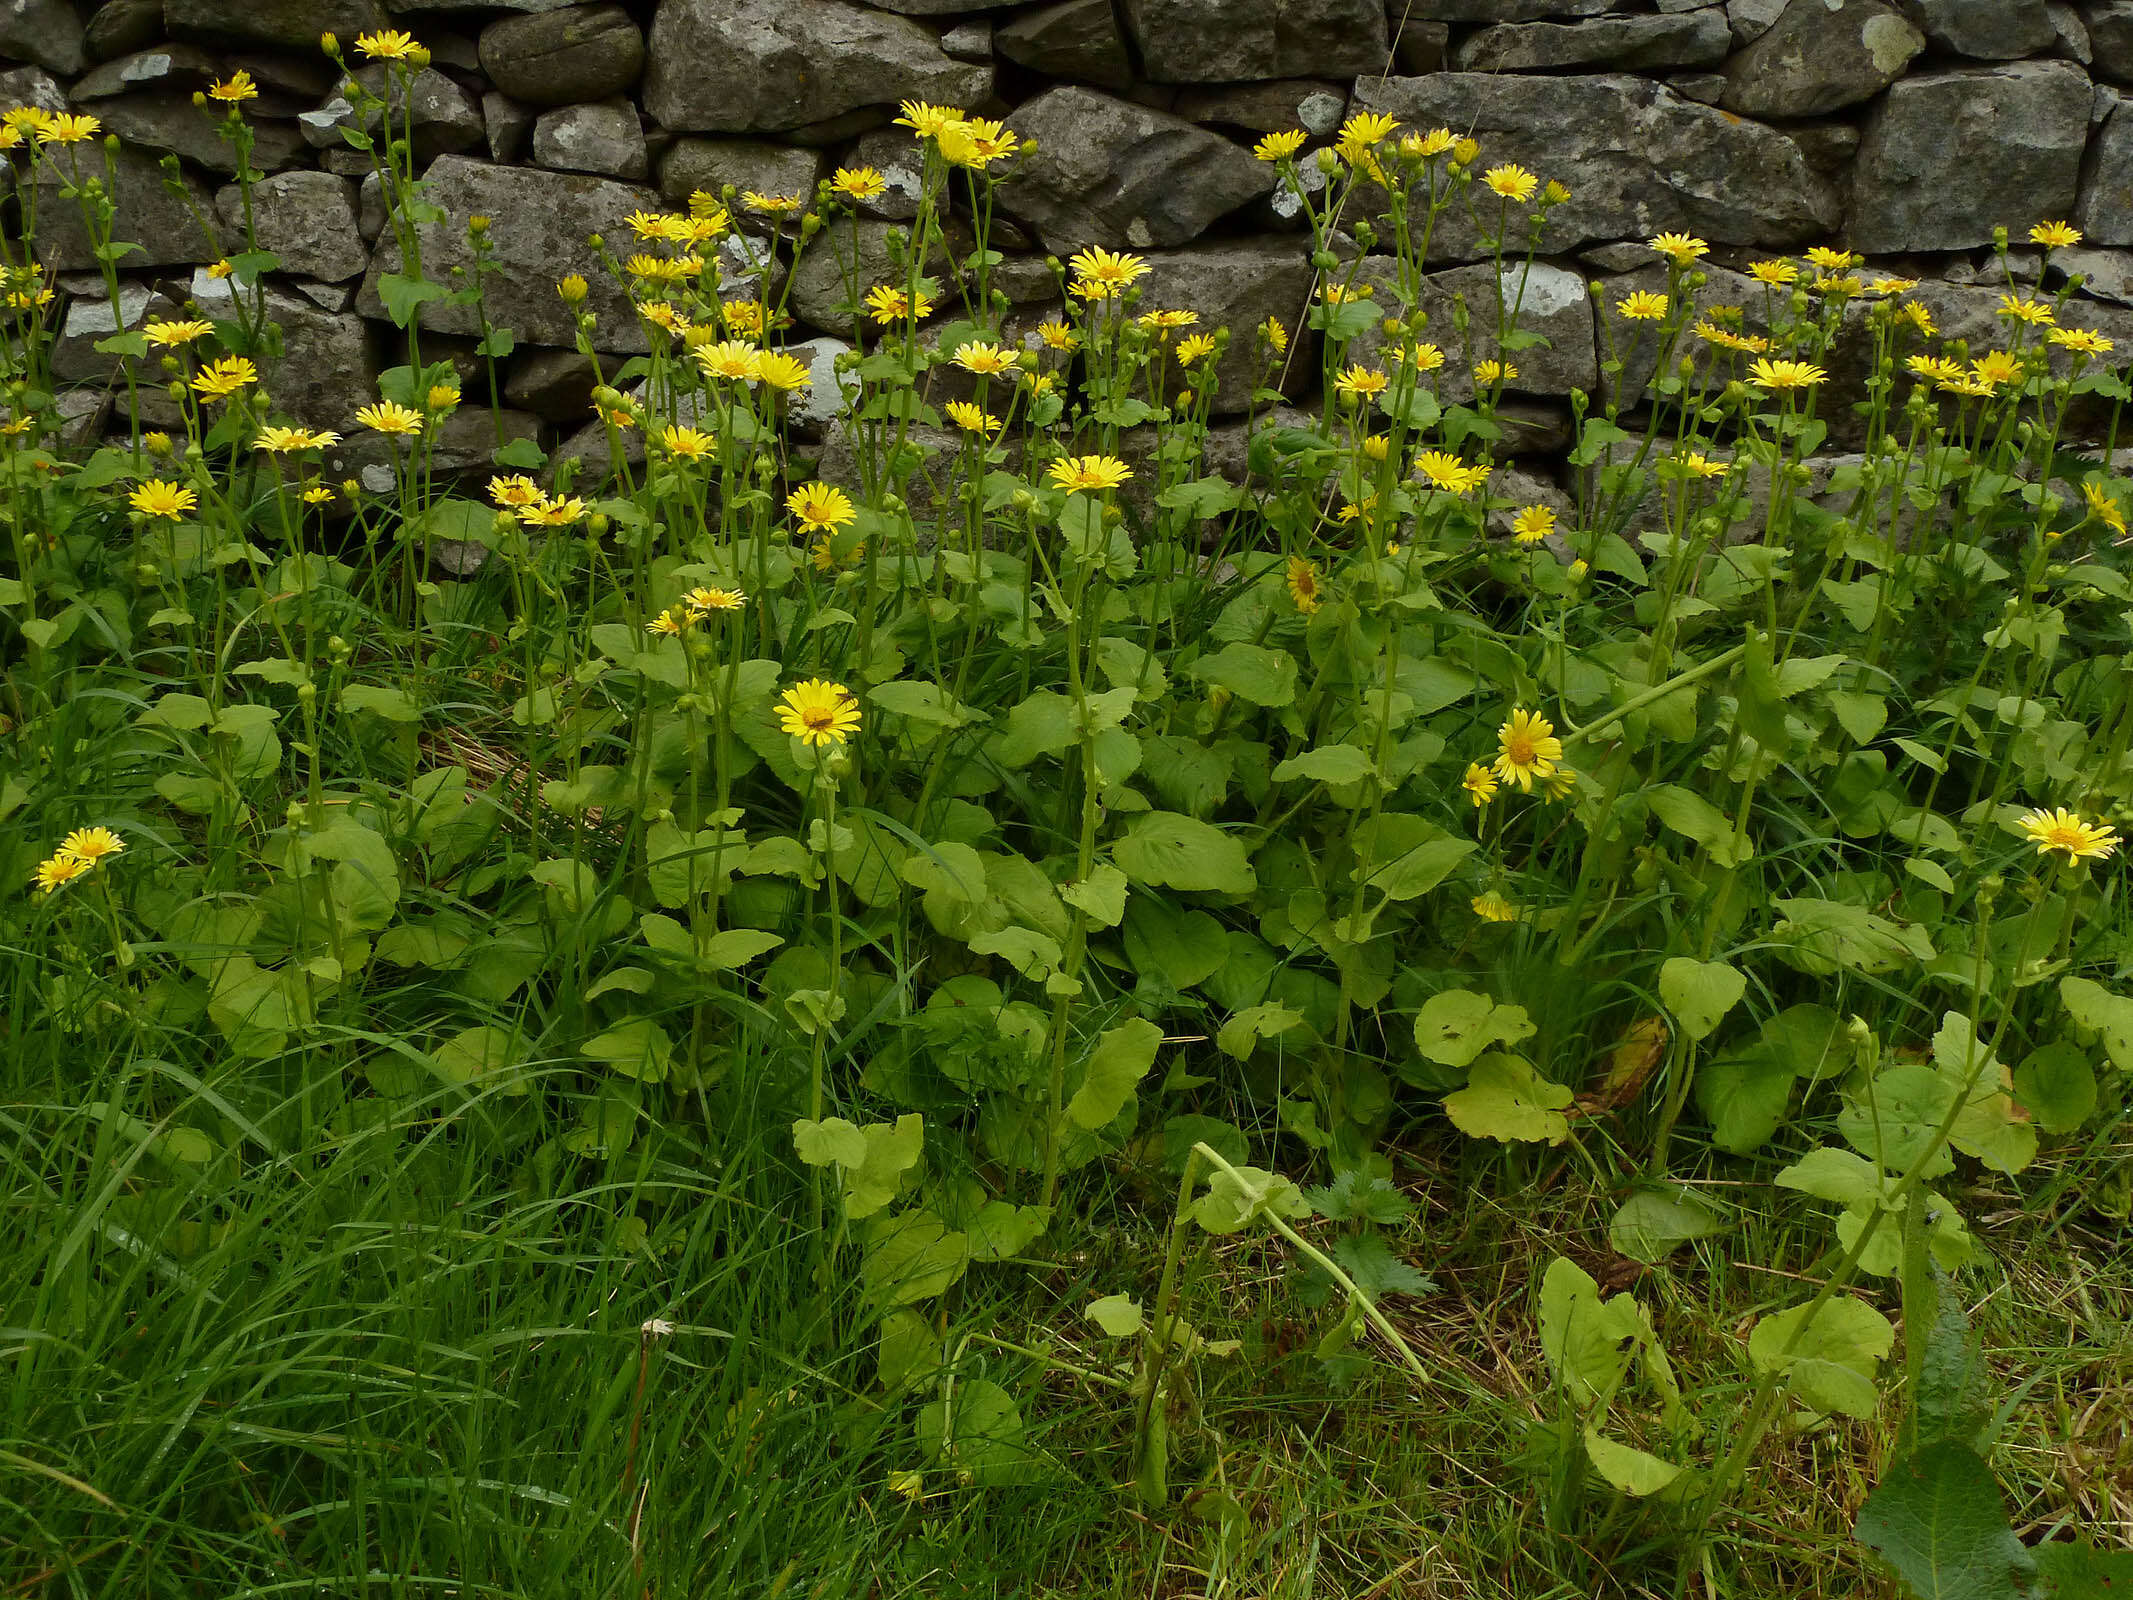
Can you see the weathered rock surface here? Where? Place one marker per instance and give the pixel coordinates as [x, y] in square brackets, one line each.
[1238, 285]
[88, 322]
[285, 24]
[2110, 25]
[32, 86]
[508, 124]
[1941, 164]
[121, 27]
[306, 218]
[327, 366]
[1221, 41]
[2105, 210]
[438, 115]
[1693, 39]
[1637, 157]
[605, 138]
[2104, 274]
[458, 451]
[148, 214]
[1419, 47]
[45, 33]
[1499, 10]
[1551, 302]
[735, 66]
[556, 385]
[1991, 30]
[172, 122]
[1315, 105]
[1077, 40]
[1110, 173]
[541, 222]
[555, 58]
[1818, 57]
[713, 164]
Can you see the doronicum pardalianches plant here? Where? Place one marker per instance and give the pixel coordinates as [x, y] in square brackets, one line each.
[1007, 799]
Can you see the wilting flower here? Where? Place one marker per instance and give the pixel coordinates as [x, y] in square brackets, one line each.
[389, 416]
[1779, 374]
[2065, 833]
[1493, 907]
[1527, 748]
[221, 379]
[1303, 585]
[1088, 472]
[1532, 524]
[820, 506]
[158, 497]
[1279, 146]
[818, 712]
[2103, 508]
[1513, 182]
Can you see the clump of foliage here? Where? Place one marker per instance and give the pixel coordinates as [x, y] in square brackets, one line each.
[1024, 821]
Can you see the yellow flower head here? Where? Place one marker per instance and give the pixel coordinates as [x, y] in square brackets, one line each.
[1160, 323]
[1449, 473]
[1691, 464]
[441, 397]
[2055, 235]
[859, 183]
[1512, 182]
[2065, 833]
[1479, 784]
[687, 444]
[925, 120]
[1359, 382]
[388, 44]
[2019, 308]
[888, 304]
[572, 287]
[1642, 306]
[730, 359]
[1057, 335]
[1779, 374]
[1427, 145]
[160, 498]
[1100, 274]
[668, 623]
[1532, 524]
[1527, 748]
[1935, 369]
[821, 506]
[1834, 260]
[1279, 146]
[1424, 357]
[317, 495]
[289, 441]
[389, 416]
[1490, 373]
[983, 358]
[747, 318]
[547, 513]
[57, 870]
[514, 491]
[652, 224]
[1493, 907]
[2081, 341]
[818, 712]
[170, 335]
[702, 602]
[772, 205]
[70, 128]
[1365, 131]
[1996, 368]
[784, 372]
[92, 845]
[1088, 473]
[1193, 346]
[1679, 248]
[2103, 508]
[976, 143]
[1304, 586]
[237, 88]
[970, 418]
[220, 379]
[1778, 274]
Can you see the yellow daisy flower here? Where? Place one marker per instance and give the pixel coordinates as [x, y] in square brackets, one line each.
[2065, 833]
[1680, 248]
[1088, 473]
[159, 497]
[1279, 146]
[220, 379]
[821, 506]
[1479, 784]
[1779, 374]
[1512, 182]
[389, 416]
[818, 712]
[387, 44]
[1527, 748]
[859, 183]
[1303, 585]
[1642, 306]
[1532, 524]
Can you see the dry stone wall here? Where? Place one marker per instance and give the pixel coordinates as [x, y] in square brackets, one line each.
[1909, 129]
